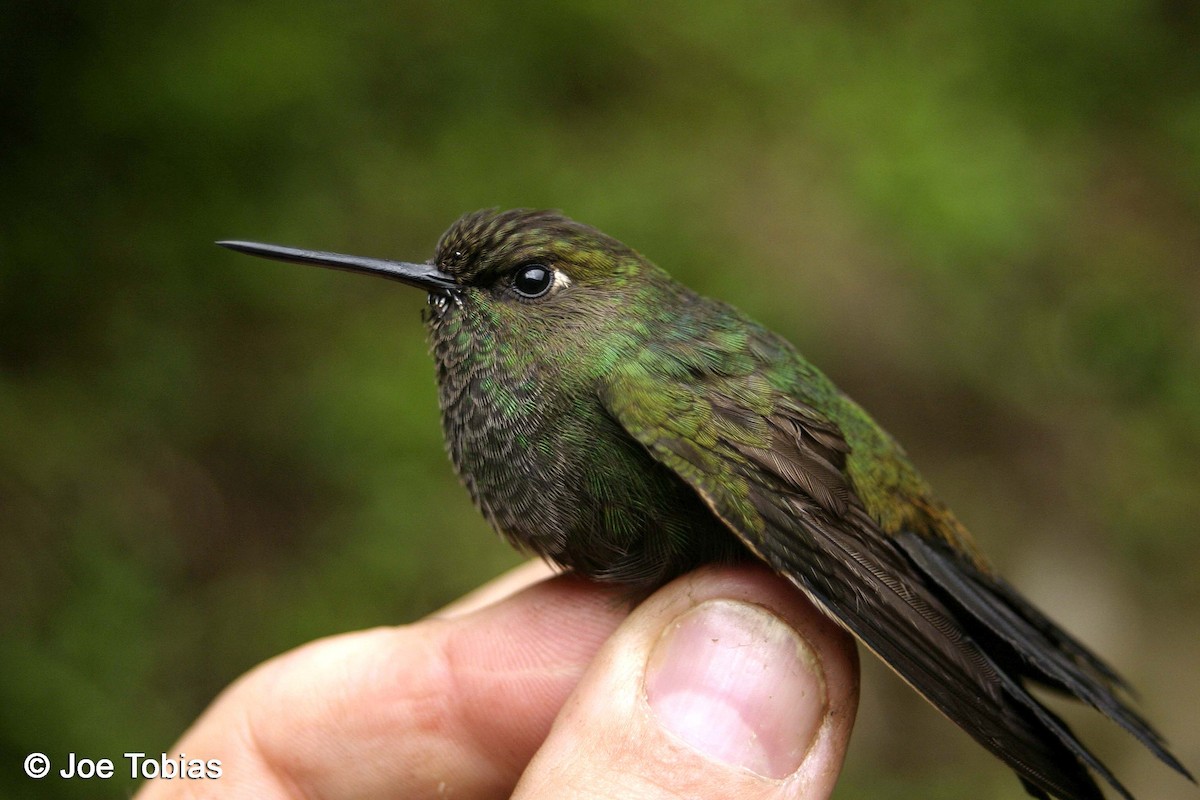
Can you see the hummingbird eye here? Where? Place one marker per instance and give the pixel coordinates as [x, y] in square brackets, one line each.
[532, 280]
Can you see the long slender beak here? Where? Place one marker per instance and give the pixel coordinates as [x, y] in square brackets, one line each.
[423, 276]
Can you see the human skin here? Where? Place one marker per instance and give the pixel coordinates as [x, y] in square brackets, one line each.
[726, 682]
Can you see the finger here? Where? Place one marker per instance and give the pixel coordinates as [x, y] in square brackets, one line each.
[445, 707]
[509, 583]
[725, 683]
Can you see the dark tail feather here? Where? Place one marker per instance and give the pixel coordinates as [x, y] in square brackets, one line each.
[1050, 722]
[1035, 647]
[1047, 627]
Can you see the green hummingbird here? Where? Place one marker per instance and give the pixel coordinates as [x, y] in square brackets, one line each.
[625, 428]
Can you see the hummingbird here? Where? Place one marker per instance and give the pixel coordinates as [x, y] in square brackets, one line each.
[625, 428]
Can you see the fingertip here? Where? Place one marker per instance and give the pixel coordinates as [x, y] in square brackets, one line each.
[759, 678]
[740, 685]
[727, 682]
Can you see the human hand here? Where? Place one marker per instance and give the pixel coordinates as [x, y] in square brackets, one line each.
[725, 683]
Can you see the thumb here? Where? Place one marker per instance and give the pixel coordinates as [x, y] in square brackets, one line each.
[725, 683]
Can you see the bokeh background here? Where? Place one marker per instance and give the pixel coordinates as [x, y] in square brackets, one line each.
[982, 220]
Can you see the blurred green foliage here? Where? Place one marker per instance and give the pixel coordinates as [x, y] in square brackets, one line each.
[982, 219]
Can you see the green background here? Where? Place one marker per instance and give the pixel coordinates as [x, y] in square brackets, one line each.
[982, 220]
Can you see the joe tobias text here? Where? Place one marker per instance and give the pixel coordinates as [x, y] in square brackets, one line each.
[140, 765]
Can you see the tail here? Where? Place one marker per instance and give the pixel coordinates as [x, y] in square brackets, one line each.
[1027, 644]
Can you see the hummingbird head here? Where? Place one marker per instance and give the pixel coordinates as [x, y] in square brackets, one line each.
[532, 272]
[536, 292]
[519, 285]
